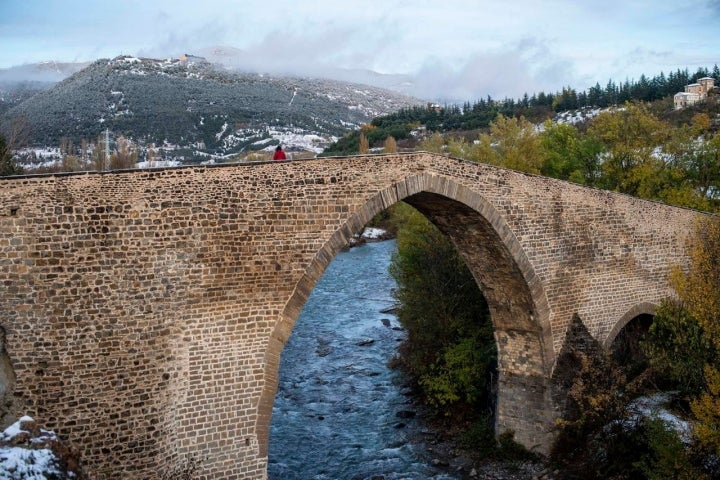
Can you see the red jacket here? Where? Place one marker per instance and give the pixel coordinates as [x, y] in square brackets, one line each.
[279, 155]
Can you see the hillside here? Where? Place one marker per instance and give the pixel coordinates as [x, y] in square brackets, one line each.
[196, 105]
[567, 106]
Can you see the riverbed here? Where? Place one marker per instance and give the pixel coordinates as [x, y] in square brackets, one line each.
[340, 412]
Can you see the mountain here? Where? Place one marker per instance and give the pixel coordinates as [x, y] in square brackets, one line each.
[197, 106]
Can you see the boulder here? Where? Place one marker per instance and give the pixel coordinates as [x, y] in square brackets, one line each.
[28, 451]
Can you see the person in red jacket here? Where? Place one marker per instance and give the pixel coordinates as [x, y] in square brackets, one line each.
[279, 154]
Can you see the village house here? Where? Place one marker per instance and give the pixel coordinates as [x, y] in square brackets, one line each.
[694, 93]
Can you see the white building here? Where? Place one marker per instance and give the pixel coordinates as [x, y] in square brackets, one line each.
[694, 93]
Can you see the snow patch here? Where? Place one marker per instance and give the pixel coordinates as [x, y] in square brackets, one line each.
[373, 233]
[15, 429]
[30, 463]
[219, 135]
[574, 117]
[158, 164]
[17, 462]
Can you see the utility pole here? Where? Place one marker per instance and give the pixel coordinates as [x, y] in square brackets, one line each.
[107, 149]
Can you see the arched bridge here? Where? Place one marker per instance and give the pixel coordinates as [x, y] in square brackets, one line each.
[144, 312]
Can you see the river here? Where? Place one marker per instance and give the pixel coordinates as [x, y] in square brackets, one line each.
[335, 412]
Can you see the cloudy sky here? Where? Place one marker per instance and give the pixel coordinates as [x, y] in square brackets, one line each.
[450, 49]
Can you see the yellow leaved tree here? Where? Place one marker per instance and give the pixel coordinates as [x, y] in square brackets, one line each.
[364, 146]
[699, 289]
[511, 143]
[390, 145]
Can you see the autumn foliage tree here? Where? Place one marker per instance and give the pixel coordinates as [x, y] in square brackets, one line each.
[568, 155]
[683, 344]
[627, 149]
[390, 145]
[364, 146]
[512, 143]
[630, 136]
[125, 156]
[449, 349]
[699, 288]
[677, 350]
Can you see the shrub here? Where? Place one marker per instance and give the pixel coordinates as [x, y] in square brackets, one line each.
[593, 429]
[666, 456]
[676, 349]
[450, 349]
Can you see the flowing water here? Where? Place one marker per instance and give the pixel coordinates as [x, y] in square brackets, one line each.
[335, 413]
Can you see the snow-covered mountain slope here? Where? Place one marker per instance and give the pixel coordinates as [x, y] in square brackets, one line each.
[199, 108]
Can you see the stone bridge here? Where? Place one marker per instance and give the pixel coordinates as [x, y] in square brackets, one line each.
[144, 312]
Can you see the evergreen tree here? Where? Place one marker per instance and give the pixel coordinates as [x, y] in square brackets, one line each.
[610, 93]
[7, 164]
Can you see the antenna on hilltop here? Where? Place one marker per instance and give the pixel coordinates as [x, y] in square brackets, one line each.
[107, 148]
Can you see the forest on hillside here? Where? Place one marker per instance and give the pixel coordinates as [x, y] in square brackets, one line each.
[537, 108]
[480, 113]
[189, 111]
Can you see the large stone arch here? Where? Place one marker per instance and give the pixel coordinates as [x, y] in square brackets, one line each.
[515, 297]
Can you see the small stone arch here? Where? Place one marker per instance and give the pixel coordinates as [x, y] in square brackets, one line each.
[643, 308]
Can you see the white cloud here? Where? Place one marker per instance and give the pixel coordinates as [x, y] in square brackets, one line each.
[458, 47]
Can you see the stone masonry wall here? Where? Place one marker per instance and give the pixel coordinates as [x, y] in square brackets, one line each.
[145, 311]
